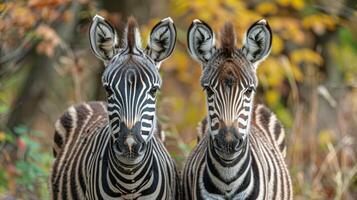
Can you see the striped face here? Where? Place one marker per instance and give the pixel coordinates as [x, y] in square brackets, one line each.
[131, 80]
[230, 90]
[229, 79]
[131, 87]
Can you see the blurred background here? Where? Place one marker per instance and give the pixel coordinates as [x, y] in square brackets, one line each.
[309, 80]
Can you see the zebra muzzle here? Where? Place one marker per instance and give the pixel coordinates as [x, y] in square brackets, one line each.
[130, 143]
[228, 140]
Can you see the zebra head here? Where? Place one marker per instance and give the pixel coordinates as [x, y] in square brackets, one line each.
[229, 79]
[131, 80]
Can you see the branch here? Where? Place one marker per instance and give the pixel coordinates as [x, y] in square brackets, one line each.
[25, 47]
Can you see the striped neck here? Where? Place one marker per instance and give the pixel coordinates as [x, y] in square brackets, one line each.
[228, 177]
[129, 179]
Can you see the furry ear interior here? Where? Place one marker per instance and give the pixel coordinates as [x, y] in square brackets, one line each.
[257, 42]
[103, 39]
[200, 40]
[162, 40]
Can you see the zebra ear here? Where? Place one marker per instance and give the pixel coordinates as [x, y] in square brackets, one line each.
[162, 40]
[103, 39]
[200, 40]
[257, 42]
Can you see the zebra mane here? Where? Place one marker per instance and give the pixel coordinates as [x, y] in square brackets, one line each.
[228, 38]
[132, 37]
[230, 70]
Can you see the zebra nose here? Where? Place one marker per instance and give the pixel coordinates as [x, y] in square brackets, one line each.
[132, 145]
[228, 139]
[130, 142]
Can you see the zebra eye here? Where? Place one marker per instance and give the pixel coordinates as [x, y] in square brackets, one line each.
[153, 91]
[249, 90]
[208, 90]
[108, 90]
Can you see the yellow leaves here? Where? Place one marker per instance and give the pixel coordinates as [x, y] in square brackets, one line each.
[289, 29]
[271, 71]
[320, 23]
[179, 7]
[296, 72]
[2, 7]
[272, 75]
[50, 40]
[272, 97]
[2, 136]
[306, 55]
[277, 45]
[267, 8]
[178, 60]
[23, 17]
[186, 69]
[325, 137]
[284, 2]
[296, 4]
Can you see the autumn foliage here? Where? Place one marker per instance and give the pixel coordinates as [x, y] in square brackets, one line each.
[309, 80]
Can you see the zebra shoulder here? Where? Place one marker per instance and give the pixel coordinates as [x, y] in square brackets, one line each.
[201, 129]
[267, 121]
[75, 119]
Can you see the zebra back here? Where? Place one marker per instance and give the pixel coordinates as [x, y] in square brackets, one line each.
[77, 120]
[270, 127]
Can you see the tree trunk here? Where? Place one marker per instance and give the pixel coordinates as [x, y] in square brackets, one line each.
[26, 105]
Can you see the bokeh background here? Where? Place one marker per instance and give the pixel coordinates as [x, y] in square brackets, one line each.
[309, 80]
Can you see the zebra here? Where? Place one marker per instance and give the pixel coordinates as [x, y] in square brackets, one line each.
[242, 149]
[109, 150]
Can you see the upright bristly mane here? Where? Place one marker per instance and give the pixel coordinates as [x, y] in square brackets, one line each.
[228, 38]
[229, 70]
[131, 34]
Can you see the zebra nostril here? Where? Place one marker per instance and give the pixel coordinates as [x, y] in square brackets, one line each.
[130, 142]
[237, 146]
[239, 143]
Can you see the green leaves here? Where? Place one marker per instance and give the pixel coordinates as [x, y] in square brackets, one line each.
[31, 169]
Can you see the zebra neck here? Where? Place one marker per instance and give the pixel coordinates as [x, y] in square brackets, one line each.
[128, 181]
[227, 176]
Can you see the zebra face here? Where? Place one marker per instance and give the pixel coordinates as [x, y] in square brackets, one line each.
[131, 90]
[230, 93]
[229, 79]
[131, 80]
